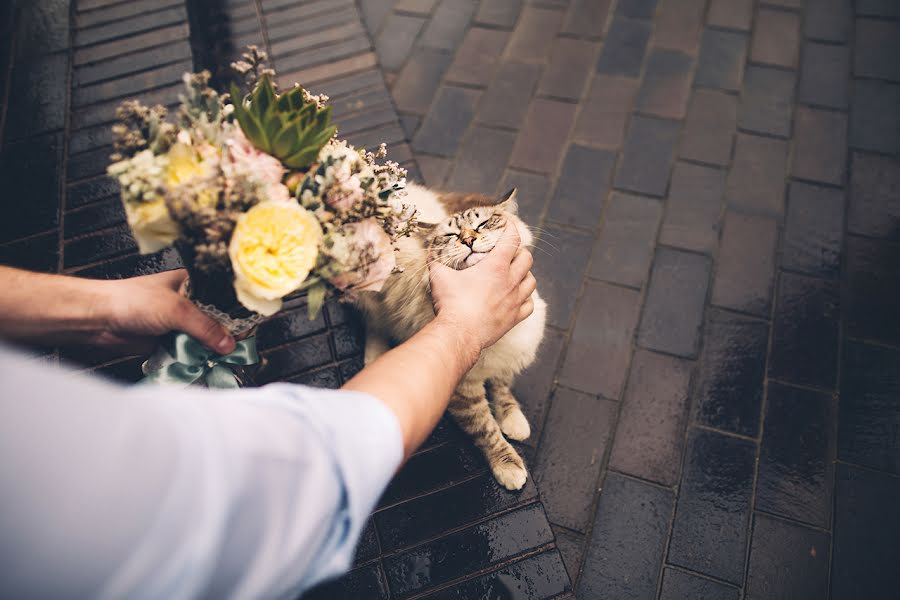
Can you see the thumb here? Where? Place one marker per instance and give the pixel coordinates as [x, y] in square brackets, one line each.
[506, 246]
[191, 320]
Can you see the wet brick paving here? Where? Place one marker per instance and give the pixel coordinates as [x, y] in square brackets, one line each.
[716, 184]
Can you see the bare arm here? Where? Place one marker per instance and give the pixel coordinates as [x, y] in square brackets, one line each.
[475, 308]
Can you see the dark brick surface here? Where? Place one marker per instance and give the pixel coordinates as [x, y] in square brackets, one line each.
[674, 307]
[624, 247]
[823, 76]
[647, 156]
[678, 585]
[506, 100]
[874, 119]
[829, 20]
[709, 534]
[820, 150]
[678, 24]
[575, 438]
[561, 271]
[664, 92]
[766, 101]
[583, 185]
[419, 80]
[443, 128]
[709, 132]
[449, 23]
[695, 201]
[787, 560]
[743, 280]
[586, 17]
[814, 230]
[870, 290]
[796, 469]
[29, 174]
[37, 101]
[721, 63]
[730, 14]
[623, 50]
[482, 159]
[657, 393]
[877, 43]
[602, 118]
[628, 540]
[756, 180]
[875, 196]
[568, 69]
[540, 145]
[500, 13]
[534, 33]
[776, 38]
[478, 55]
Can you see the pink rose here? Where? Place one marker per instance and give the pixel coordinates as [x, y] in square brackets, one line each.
[246, 159]
[344, 194]
[372, 248]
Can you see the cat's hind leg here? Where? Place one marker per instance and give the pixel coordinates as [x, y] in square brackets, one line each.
[473, 414]
[507, 410]
[376, 344]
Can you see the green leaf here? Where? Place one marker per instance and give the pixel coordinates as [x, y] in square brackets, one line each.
[263, 96]
[316, 299]
[285, 142]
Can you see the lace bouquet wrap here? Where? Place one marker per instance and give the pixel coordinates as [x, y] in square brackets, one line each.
[261, 200]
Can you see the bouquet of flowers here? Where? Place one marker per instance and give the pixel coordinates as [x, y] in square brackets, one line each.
[261, 200]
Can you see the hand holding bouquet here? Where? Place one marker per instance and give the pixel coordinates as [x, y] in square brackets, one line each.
[260, 199]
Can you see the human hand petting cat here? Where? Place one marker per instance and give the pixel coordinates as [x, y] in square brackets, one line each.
[490, 298]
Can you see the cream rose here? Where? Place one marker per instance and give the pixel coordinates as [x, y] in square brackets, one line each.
[151, 225]
[273, 248]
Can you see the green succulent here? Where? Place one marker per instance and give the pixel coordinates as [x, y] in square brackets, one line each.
[287, 126]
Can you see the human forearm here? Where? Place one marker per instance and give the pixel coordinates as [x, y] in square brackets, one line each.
[416, 379]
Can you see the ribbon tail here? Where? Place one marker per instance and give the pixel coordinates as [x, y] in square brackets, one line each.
[221, 377]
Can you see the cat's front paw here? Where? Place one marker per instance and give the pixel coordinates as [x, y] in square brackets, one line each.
[515, 426]
[510, 475]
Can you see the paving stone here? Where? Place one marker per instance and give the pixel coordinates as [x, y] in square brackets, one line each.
[499, 13]
[805, 332]
[756, 180]
[410, 124]
[582, 188]
[869, 417]
[796, 468]
[326, 44]
[568, 69]
[132, 63]
[731, 14]
[533, 388]
[709, 132]
[733, 366]
[119, 10]
[540, 144]
[396, 39]
[823, 76]
[43, 27]
[571, 548]
[288, 326]
[875, 196]
[415, 6]
[134, 265]
[445, 124]
[88, 164]
[38, 103]
[721, 63]
[650, 432]
[448, 24]
[820, 147]
[434, 169]
[776, 38]
[877, 8]
[673, 313]
[787, 560]
[442, 560]
[507, 98]
[679, 585]
[481, 160]
[364, 582]
[814, 230]
[99, 246]
[666, 84]
[478, 56]
[315, 351]
[694, 208]
[586, 18]
[534, 34]
[872, 291]
[374, 13]
[137, 24]
[876, 45]
[647, 156]
[99, 215]
[874, 118]
[132, 43]
[560, 272]
[767, 101]
[709, 534]
[132, 85]
[628, 541]
[600, 348]
[866, 530]
[531, 197]
[678, 24]
[540, 576]
[828, 20]
[575, 437]
[623, 49]
[604, 113]
[419, 80]
[624, 247]
[39, 253]
[29, 172]
[746, 264]
[636, 9]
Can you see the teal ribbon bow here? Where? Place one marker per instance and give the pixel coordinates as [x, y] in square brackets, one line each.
[186, 361]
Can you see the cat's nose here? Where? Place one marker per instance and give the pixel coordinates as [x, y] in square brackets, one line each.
[468, 237]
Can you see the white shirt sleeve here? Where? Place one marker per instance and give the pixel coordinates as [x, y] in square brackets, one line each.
[156, 492]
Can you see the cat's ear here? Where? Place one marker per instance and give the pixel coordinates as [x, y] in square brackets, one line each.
[508, 202]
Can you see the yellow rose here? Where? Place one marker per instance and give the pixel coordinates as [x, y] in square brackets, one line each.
[184, 164]
[151, 225]
[273, 248]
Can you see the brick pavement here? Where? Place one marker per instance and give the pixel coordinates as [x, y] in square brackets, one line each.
[715, 184]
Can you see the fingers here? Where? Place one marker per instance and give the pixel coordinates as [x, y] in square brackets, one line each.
[189, 319]
[520, 266]
[526, 310]
[506, 247]
[527, 287]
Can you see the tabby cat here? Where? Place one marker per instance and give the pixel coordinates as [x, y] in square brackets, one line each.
[459, 230]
